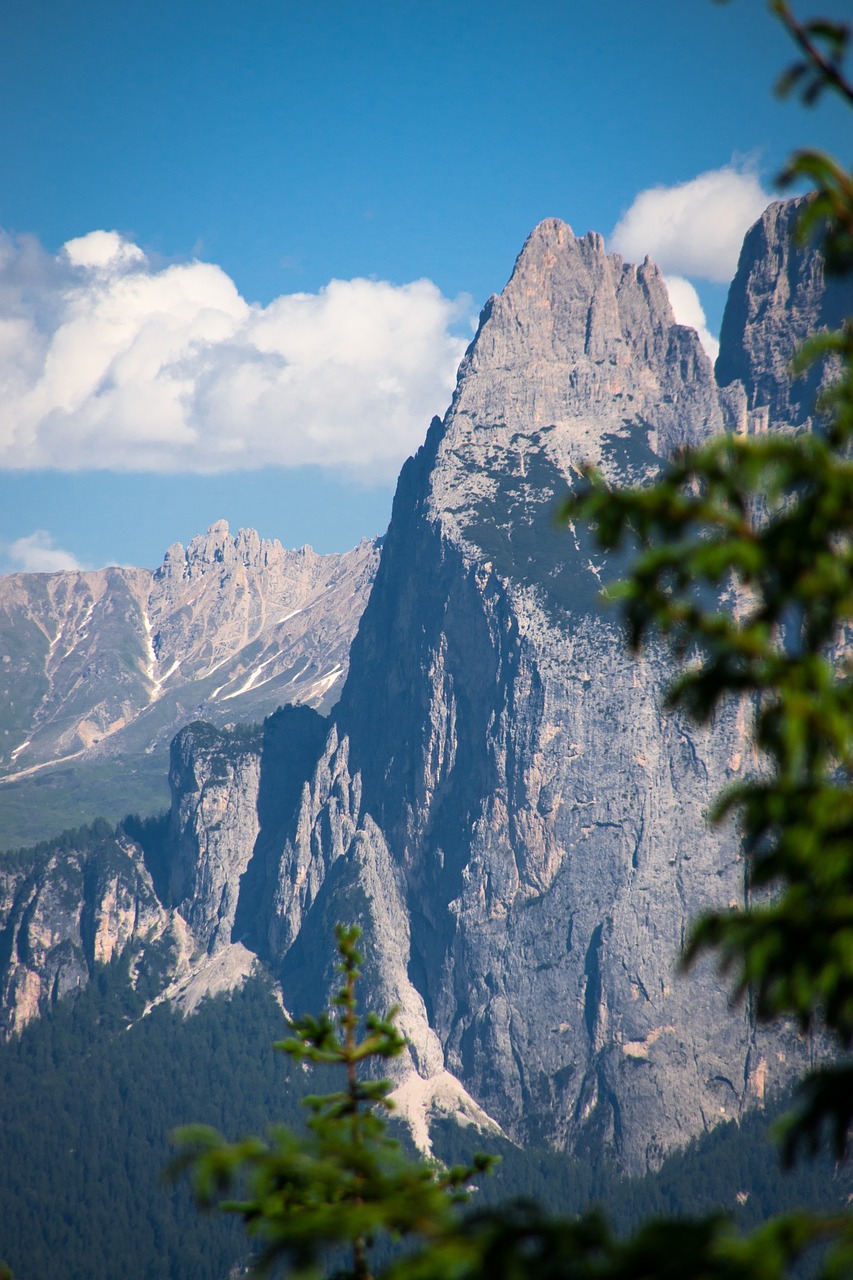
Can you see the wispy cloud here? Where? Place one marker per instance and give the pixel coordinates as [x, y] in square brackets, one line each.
[694, 228]
[37, 553]
[107, 362]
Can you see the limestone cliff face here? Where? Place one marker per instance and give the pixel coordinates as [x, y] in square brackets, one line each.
[214, 825]
[539, 819]
[232, 791]
[778, 298]
[182, 906]
[62, 911]
[95, 895]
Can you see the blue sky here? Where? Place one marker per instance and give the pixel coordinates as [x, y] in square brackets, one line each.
[402, 150]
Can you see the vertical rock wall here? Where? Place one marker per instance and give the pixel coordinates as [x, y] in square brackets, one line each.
[543, 816]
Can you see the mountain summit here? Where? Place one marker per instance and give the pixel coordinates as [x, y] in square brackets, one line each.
[534, 817]
[501, 800]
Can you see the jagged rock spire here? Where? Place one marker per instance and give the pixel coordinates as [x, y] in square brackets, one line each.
[778, 298]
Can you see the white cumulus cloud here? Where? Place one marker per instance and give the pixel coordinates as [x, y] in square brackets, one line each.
[37, 553]
[694, 228]
[688, 309]
[107, 362]
[105, 249]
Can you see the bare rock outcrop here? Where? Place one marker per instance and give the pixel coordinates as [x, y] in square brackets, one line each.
[214, 826]
[779, 297]
[63, 910]
[497, 751]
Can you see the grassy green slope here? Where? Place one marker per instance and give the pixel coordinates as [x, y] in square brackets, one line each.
[68, 795]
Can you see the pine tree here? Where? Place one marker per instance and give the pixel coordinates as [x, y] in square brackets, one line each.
[345, 1182]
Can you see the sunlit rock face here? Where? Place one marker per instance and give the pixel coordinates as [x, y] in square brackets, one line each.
[779, 297]
[82, 903]
[540, 817]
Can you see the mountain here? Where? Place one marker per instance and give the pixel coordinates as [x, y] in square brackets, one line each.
[499, 797]
[100, 669]
[510, 803]
[778, 298]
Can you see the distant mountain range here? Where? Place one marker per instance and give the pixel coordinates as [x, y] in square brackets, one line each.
[498, 797]
[99, 670]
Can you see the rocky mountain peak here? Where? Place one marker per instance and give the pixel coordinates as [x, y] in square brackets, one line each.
[778, 298]
[577, 302]
[108, 665]
[218, 548]
[578, 360]
[508, 799]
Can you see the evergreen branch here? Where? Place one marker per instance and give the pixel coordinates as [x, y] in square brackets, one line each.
[827, 70]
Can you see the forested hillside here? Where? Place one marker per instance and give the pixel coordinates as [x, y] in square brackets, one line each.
[90, 1094]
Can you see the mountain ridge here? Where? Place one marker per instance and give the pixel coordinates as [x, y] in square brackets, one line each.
[105, 665]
